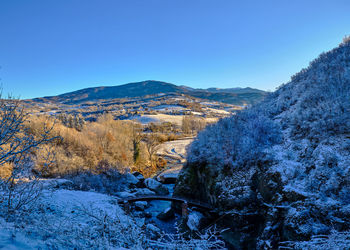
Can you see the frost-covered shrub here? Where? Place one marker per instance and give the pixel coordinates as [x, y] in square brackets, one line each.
[108, 181]
[316, 102]
[236, 141]
[336, 240]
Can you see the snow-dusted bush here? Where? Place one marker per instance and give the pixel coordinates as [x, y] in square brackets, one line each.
[316, 102]
[236, 141]
[336, 240]
[108, 181]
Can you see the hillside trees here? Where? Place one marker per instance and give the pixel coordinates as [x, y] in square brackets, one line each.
[192, 124]
[72, 121]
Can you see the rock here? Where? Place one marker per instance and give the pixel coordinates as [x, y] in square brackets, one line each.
[56, 183]
[195, 219]
[131, 180]
[140, 222]
[141, 179]
[152, 184]
[140, 205]
[124, 195]
[156, 186]
[63, 183]
[144, 191]
[148, 214]
[152, 231]
[169, 176]
[168, 214]
[153, 228]
[139, 176]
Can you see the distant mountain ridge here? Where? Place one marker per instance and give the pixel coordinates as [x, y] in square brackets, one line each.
[236, 96]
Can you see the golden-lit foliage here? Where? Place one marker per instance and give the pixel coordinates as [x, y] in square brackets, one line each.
[106, 140]
[5, 171]
[192, 124]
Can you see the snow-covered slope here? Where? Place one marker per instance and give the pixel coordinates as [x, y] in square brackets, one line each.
[71, 219]
[283, 165]
[65, 219]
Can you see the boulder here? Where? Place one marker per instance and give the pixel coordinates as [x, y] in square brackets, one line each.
[148, 215]
[124, 195]
[156, 186]
[167, 214]
[56, 183]
[140, 222]
[195, 220]
[139, 176]
[152, 231]
[169, 176]
[144, 192]
[140, 205]
[131, 180]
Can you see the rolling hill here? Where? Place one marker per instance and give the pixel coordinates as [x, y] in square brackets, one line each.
[236, 96]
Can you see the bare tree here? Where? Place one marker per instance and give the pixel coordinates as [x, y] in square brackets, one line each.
[152, 143]
[192, 125]
[16, 144]
[346, 39]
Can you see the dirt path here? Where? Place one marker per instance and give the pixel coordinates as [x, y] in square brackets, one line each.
[175, 154]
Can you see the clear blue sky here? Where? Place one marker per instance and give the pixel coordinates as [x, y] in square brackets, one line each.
[48, 47]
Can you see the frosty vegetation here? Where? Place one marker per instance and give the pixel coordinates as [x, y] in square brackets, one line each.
[296, 146]
[315, 104]
[235, 142]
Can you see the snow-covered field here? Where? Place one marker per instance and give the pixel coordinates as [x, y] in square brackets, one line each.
[218, 111]
[176, 119]
[145, 119]
[168, 108]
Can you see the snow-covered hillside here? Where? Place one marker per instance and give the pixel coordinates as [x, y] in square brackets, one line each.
[284, 164]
